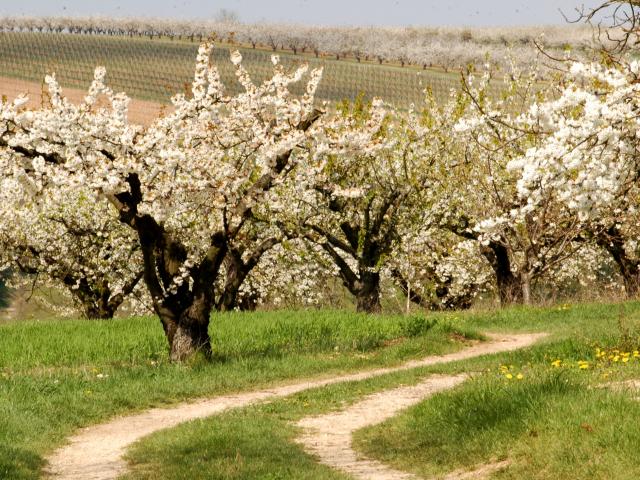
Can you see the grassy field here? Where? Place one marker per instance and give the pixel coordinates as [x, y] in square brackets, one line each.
[156, 69]
[57, 376]
[541, 411]
[552, 424]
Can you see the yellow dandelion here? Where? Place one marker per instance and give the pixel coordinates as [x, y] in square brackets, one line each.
[556, 363]
[509, 376]
[584, 366]
[616, 358]
[625, 359]
[519, 376]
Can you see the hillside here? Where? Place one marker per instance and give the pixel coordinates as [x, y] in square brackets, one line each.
[153, 70]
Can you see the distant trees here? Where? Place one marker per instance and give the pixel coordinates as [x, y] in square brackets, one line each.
[451, 48]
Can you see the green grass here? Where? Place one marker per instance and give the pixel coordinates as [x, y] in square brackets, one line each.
[57, 376]
[554, 423]
[156, 69]
[256, 442]
[551, 424]
[49, 386]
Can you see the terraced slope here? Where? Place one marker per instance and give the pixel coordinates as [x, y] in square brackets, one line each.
[155, 69]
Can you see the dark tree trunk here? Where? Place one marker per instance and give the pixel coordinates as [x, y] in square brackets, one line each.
[248, 302]
[612, 240]
[235, 276]
[509, 285]
[367, 292]
[237, 271]
[187, 331]
[96, 300]
[99, 311]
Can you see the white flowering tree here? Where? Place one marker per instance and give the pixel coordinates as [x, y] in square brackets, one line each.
[189, 184]
[293, 274]
[589, 157]
[522, 241]
[437, 269]
[68, 238]
[360, 204]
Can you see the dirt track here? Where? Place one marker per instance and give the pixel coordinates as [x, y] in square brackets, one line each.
[96, 452]
[329, 437]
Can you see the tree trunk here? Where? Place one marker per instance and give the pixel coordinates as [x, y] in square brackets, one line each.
[509, 288]
[613, 242]
[525, 280]
[509, 285]
[631, 281]
[98, 311]
[367, 291]
[95, 299]
[234, 279]
[188, 331]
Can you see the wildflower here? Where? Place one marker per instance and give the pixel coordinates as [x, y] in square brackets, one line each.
[625, 359]
[509, 376]
[556, 363]
[520, 376]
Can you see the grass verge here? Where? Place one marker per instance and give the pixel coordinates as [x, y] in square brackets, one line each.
[552, 423]
[544, 410]
[57, 376]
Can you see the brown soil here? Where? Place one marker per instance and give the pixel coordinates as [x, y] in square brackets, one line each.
[140, 111]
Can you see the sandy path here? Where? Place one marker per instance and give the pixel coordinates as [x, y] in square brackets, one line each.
[330, 436]
[140, 111]
[96, 452]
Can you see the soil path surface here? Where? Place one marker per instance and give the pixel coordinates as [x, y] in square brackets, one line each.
[96, 452]
[329, 437]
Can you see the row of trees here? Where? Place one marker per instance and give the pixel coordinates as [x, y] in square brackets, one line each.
[231, 200]
[451, 48]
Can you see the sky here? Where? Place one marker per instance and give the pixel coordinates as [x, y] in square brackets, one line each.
[325, 12]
